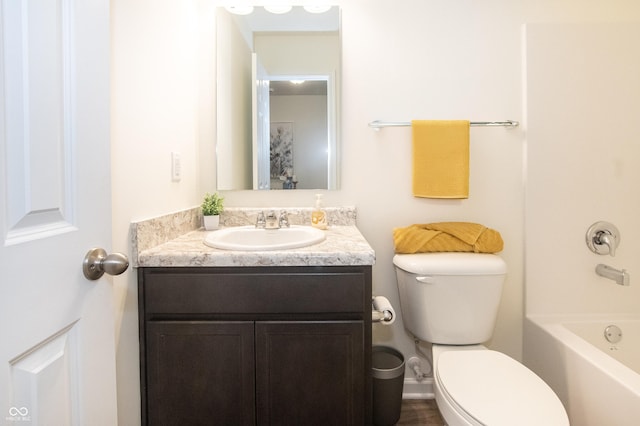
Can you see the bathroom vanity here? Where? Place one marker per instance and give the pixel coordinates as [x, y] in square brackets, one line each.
[252, 338]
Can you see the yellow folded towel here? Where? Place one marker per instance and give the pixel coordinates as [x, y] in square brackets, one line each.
[440, 158]
[447, 236]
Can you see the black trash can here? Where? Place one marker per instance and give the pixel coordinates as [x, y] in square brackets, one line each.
[388, 379]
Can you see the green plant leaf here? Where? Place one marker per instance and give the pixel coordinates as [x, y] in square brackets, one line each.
[212, 204]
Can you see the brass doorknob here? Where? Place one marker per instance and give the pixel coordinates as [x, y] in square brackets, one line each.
[97, 262]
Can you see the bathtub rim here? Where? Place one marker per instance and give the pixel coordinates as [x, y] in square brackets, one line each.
[553, 324]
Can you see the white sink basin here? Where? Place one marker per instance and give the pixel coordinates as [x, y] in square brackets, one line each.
[250, 238]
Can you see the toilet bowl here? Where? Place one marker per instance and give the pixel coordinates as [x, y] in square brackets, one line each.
[451, 300]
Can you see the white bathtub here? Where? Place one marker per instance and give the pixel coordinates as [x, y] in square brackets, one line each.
[597, 381]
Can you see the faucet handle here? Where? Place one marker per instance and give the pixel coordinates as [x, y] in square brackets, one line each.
[283, 221]
[261, 221]
[607, 239]
[603, 238]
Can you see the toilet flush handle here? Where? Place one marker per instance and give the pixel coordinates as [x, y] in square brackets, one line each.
[426, 280]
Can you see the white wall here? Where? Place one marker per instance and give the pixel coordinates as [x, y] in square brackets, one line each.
[401, 60]
[289, 54]
[234, 104]
[583, 104]
[159, 104]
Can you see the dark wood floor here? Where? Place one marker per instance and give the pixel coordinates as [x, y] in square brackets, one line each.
[420, 412]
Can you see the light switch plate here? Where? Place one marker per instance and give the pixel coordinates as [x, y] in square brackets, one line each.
[176, 167]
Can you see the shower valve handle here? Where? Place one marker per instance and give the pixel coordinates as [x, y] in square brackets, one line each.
[603, 238]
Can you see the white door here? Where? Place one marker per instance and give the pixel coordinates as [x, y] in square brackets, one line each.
[261, 125]
[56, 327]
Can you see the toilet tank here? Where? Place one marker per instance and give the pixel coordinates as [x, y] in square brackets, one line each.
[450, 298]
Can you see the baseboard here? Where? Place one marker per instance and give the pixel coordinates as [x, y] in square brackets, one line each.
[414, 389]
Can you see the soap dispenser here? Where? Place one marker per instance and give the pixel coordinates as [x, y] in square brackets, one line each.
[318, 215]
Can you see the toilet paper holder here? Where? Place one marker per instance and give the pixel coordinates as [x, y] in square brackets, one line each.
[382, 311]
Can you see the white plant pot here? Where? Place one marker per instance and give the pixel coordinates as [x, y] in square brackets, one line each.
[211, 222]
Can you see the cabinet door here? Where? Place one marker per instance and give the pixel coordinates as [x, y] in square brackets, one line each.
[200, 373]
[310, 373]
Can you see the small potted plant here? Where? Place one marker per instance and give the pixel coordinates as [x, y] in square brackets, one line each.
[212, 205]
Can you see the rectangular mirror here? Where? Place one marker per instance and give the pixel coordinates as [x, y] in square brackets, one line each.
[278, 80]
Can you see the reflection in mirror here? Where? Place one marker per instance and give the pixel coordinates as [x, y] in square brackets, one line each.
[277, 91]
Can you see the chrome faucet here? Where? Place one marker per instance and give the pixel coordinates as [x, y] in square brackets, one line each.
[272, 221]
[619, 276]
[283, 221]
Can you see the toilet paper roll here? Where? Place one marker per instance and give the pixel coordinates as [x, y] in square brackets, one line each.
[381, 304]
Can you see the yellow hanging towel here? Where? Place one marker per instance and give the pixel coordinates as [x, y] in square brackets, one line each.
[440, 158]
[447, 236]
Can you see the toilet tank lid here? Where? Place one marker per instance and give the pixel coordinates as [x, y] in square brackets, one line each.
[450, 263]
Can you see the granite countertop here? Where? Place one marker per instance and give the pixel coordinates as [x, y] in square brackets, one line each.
[344, 245]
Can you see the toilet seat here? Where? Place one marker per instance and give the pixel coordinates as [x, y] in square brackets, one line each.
[490, 388]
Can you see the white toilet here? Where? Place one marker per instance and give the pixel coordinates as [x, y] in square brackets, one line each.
[451, 300]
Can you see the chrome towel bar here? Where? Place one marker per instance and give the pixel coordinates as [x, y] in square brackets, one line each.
[377, 124]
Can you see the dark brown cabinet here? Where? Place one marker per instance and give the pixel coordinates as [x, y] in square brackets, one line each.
[255, 345]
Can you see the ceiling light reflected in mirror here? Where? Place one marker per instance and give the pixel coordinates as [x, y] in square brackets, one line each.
[240, 10]
[278, 10]
[317, 8]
